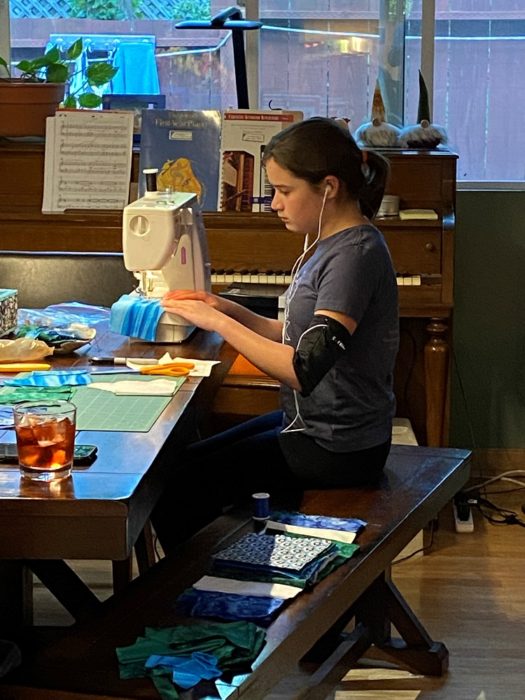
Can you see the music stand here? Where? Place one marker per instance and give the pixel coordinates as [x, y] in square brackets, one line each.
[230, 18]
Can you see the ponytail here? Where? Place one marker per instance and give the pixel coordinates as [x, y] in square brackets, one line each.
[375, 170]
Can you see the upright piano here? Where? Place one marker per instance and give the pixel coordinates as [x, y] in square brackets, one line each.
[253, 248]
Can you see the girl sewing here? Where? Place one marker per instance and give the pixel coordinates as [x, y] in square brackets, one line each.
[333, 353]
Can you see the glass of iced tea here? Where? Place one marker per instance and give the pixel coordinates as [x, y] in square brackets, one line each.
[45, 438]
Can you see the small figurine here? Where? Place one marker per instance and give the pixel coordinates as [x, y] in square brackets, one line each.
[377, 132]
[424, 134]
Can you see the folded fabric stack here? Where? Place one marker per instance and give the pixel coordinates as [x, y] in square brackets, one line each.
[253, 578]
[326, 526]
[258, 574]
[276, 557]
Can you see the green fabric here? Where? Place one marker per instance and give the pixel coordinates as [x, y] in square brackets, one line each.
[35, 393]
[234, 645]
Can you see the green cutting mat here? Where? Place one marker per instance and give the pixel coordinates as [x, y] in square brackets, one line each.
[101, 410]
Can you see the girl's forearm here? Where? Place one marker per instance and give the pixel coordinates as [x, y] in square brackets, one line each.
[267, 327]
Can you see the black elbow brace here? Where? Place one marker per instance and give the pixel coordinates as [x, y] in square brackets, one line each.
[318, 349]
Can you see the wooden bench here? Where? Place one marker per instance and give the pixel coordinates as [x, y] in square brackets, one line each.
[314, 640]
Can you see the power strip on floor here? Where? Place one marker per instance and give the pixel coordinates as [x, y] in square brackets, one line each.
[465, 523]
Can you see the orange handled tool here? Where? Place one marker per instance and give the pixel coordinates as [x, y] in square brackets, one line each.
[169, 369]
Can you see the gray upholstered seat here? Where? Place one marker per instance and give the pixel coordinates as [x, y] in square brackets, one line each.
[44, 278]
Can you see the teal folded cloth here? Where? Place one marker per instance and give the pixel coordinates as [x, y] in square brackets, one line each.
[53, 378]
[35, 393]
[136, 316]
[187, 672]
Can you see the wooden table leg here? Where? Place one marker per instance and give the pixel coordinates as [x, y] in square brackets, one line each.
[16, 594]
[382, 606]
[67, 587]
[437, 353]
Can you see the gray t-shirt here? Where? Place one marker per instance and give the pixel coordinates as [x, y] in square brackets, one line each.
[352, 407]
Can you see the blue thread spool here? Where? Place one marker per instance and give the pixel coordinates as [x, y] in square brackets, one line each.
[261, 506]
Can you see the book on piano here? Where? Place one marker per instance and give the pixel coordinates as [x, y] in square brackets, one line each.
[245, 132]
[185, 146]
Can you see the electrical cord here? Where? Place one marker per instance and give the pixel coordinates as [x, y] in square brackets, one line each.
[421, 550]
[497, 515]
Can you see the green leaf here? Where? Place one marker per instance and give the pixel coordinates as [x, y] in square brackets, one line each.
[51, 56]
[25, 66]
[100, 73]
[56, 73]
[3, 63]
[89, 100]
[75, 50]
[70, 102]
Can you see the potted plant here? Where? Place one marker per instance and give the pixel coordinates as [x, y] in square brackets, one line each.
[45, 83]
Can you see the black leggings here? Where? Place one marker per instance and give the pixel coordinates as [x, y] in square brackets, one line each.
[254, 456]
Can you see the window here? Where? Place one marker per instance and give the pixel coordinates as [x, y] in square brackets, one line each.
[324, 57]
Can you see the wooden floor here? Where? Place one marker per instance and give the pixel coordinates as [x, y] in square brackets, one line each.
[469, 592]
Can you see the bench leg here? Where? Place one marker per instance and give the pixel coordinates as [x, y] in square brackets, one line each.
[382, 606]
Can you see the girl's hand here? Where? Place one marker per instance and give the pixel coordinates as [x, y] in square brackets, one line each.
[194, 294]
[199, 313]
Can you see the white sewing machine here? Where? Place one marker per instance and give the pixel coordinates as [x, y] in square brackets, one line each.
[164, 244]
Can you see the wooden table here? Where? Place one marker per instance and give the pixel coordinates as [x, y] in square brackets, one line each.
[101, 511]
[349, 613]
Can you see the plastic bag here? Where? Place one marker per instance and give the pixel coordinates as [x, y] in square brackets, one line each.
[23, 350]
[64, 315]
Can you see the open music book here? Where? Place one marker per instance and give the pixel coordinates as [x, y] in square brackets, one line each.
[87, 160]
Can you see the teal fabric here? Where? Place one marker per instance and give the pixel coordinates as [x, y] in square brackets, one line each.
[37, 393]
[136, 317]
[187, 672]
[51, 378]
[137, 70]
[234, 644]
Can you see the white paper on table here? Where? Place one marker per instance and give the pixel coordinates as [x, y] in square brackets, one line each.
[202, 367]
[130, 387]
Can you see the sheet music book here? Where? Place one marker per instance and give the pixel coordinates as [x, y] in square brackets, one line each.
[87, 160]
[245, 132]
[184, 145]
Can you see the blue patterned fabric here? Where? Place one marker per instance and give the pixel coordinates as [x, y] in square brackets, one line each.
[228, 606]
[6, 417]
[319, 521]
[274, 551]
[136, 316]
[298, 560]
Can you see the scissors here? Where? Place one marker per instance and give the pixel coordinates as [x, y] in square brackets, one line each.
[169, 369]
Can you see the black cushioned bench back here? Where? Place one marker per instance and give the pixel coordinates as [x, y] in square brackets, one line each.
[44, 278]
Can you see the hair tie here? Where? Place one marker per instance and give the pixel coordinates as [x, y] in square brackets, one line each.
[365, 168]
